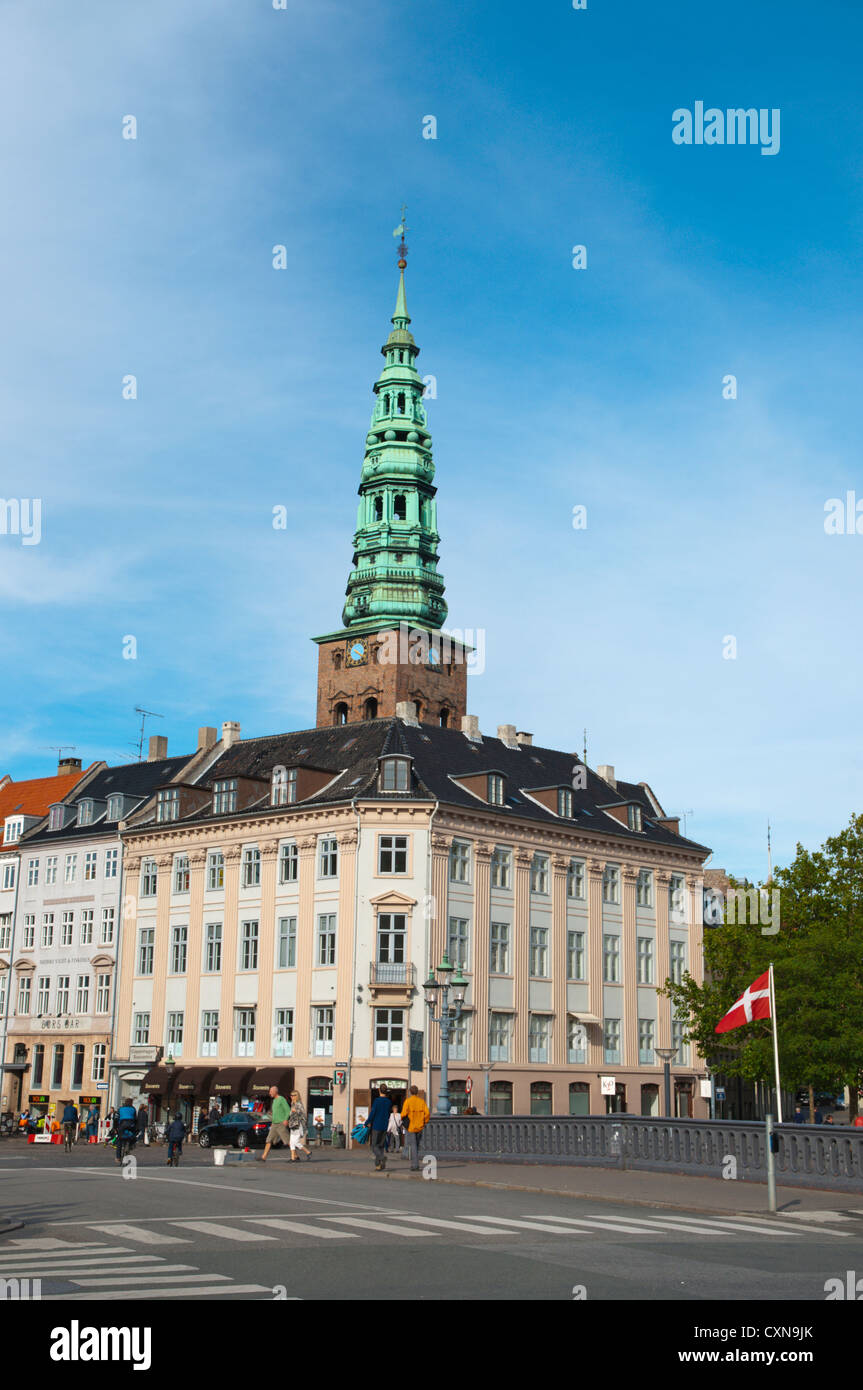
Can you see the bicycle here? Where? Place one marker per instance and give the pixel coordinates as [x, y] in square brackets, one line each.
[68, 1137]
[123, 1146]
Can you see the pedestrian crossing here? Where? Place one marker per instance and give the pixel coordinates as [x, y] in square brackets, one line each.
[100, 1272]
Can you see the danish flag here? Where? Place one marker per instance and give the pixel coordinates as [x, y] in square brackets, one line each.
[754, 1002]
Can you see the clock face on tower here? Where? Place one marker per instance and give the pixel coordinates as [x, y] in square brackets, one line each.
[357, 653]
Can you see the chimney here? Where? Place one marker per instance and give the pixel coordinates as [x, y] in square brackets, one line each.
[470, 727]
[606, 772]
[68, 765]
[207, 738]
[506, 734]
[158, 748]
[526, 739]
[406, 711]
[230, 733]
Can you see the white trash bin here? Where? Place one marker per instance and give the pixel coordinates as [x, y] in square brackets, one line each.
[219, 1157]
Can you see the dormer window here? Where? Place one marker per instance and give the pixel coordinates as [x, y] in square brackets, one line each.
[633, 817]
[495, 789]
[224, 797]
[564, 802]
[85, 812]
[284, 786]
[55, 819]
[13, 830]
[395, 775]
[115, 807]
[167, 804]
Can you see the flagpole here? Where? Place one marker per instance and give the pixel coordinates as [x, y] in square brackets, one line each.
[775, 1044]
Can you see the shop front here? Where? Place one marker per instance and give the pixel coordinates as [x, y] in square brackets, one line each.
[319, 1104]
[158, 1088]
[37, 1105]
[230, 1087]
[192, 1094]
[265, 1077]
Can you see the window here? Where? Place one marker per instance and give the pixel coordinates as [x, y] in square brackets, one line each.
[57, 1067]
[107, 937]
[611, 1040]
[391, 946]
[539, 874]
[175, 1035]
[564, 802]
[32, 873]
[395, 775]
[288, 863]
[322, 1032]
[55, 818]
[115, 807]
[215, 870]
[141, 1029]
[678, 1032]
[168, 804]
[146, 937]
[499, 949]
[283, 1033]
[499, 1033]
[245, 1032]
[181, 873]
[501, 867]
[677, 899]
[213, 948]
[539, 951]
[538, 1034]
[284, 787]
[328, 858]
[575, 955]
[611, 884]
[111, 858]
[495, 789]
[90, 865]
[71, 868]
[82, 995]
[393, 854]
[42, 994]
[326, 951]
[67, 929]
[633, 817]
[9, 873]
[646, 1027]
[251, 867]
[576, 1041]
[23, 995]
[179, 943]
[341, 713]
[457, 945]
[678, 961]
[98, 1061]
[148, 878]
[500, 1098]
[38, 1064]
[209, 1032]
[459, 862]
[29, 933]
[611, 960]
[249, 945]
[459, 1047]
[47, 929]
[540, 1098]
[77, 1079]
[389, 1033]
[62, 1000]
[5, 931]
[85, 813]
[644, 888]
[286, 958]
[224, 797]
[51, 869]
[645, 960]
[103, 994]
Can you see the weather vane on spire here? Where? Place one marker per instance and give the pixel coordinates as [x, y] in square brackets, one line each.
[400, 231]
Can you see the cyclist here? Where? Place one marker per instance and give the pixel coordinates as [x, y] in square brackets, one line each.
[70, 1124]
[127, 1128]
[175, 1135]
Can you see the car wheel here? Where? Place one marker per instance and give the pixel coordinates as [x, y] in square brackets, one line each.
[204, 1140]
[240, 1140]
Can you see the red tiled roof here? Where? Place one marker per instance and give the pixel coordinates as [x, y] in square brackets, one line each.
[35, 796]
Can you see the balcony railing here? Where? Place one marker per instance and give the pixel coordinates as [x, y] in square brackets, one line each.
[390, 973]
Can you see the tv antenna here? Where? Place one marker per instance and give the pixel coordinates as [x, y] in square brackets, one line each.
[685, 814]
[145, 715]
[60, 748]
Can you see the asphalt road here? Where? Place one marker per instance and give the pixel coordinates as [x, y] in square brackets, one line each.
[253, 1232]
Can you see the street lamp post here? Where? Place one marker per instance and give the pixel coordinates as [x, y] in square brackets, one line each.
[665, 1055]
[446, 1017]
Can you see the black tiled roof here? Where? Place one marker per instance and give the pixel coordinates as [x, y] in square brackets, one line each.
[135, 780]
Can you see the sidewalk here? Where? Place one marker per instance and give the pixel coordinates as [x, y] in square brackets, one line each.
[676, 1191]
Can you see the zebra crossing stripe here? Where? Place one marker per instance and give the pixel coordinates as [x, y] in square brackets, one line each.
[164, 1277]
[385, 1226]
[212, 1228]
[280, 1224]
[586, 1223]
[529, 1225]
[211, 1291]
[140, 1233]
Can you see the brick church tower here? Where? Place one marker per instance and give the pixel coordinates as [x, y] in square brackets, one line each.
[392, 647]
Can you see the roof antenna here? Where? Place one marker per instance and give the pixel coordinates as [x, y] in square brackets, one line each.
[585, 747]
[60, 748]
[690, 812]
[145, 715]
[769, 856]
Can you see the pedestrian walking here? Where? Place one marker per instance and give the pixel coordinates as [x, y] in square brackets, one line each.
[799, 1118]
[395, 1132]
[141, 1121]
[298, 1127]
[175, 1134]
[92, 1122]
[378, 1122]
[416, 1112]
[278, 1122]
[213, 1117]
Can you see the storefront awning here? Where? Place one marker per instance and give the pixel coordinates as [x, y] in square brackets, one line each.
[265, 1077]
[232, 1081]
[195, 1081]
[160, 1082]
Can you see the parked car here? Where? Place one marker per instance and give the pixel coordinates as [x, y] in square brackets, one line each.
[240, 1128]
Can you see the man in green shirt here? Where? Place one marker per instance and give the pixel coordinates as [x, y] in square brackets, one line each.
[279, 1126]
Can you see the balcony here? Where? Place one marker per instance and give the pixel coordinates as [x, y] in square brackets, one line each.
[396, 979]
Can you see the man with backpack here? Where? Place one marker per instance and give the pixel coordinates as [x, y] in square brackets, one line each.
[175, 1134]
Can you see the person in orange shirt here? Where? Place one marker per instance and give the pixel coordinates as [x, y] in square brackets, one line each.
[416, 1113]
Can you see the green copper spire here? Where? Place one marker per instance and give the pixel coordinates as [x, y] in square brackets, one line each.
[395, 575]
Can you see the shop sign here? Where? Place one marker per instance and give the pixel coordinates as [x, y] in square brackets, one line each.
[608, 1086]
[140, 1052]
[38, 1100]
[58, 1025]
[101, 1085]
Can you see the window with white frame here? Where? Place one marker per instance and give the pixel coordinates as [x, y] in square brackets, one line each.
[245, 1026]
[458, 942]
[678, 961]
[677, 899]
[213, 948]
[103, 994]
[43, 994]
[539, 873]
[678, 1034]
[146, 937]
[98, 1061]
[389, 1033]
[82, 995]
[576, 1041]
[498, 963]
[322, 1032]
[179, 946]
[633, 817]
[57, 1055]
[51, 869]
[495, 790]
[325, 953]
[215, 870]
[249, 944]
[251, 867]
[611, 1040]
[61, 1002]
[289, 862]
[392, 854]
[107, 936]
[67, 929]
[91, 864]
[10, 867]
[539, 1031]
[286, 944]
[459, 1047]
[111, 861]
[29, 939]
[115, 807]
[3, 977]
[85, 812]
[47, 929]
[539, 951]
[55, 817]
[501, 867]
[182, 874]
[71, 869]
[32, 873]
[644, 888]
[611, 959]
[395, 775]
[224, 797]
[168, 804]
[23, 1006]
[564, 802]
[611, 884]
[13, 828]
[283, 1033]
[209, 1032]
[175, 1035]
[459, 862]
[148, 878]
[645, 960]
[646, 1041]
[140, 1029]
[575, 879]
[575, 955]
[499, 1033]
[328, 858]
[5, 931]
[284, 787]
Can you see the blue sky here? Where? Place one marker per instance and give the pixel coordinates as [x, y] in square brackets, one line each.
[556, 387]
